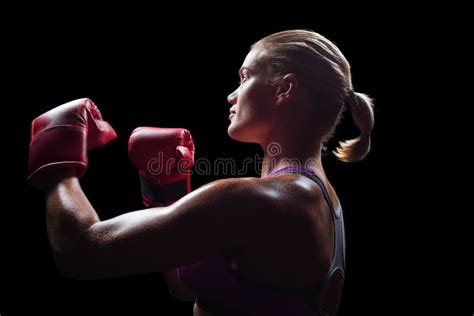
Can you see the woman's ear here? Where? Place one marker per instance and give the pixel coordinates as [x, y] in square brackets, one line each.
[287, 87]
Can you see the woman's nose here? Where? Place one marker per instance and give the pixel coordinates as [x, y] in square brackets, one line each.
[232, 98]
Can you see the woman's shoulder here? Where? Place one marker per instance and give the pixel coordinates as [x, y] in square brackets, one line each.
[279, 204]
[281, 192]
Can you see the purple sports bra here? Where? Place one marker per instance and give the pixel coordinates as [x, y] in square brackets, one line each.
[222, 290]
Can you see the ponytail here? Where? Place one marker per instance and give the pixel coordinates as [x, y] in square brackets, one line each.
[361, 107]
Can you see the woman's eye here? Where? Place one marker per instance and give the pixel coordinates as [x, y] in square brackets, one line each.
[243, 79]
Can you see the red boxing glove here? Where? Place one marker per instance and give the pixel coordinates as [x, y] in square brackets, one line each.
[60, 139]
[164, 158]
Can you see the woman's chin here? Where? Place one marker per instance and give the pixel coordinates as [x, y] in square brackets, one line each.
[239, 135]
[234, 133]
[231, 132]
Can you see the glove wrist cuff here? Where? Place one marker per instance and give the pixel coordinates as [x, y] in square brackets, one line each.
[163, 195]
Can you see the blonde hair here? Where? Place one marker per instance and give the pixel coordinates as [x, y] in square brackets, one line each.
[322, 67]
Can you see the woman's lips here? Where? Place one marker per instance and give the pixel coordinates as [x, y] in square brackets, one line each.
[231, 116]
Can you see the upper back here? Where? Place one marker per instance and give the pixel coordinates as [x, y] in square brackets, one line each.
[301, 251]
[290, 264]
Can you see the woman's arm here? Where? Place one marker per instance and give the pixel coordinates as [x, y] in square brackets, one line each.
[221, 215]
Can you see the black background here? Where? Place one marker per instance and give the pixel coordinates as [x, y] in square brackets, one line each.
[143, 71]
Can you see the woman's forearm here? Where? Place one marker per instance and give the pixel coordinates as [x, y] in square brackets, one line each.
[69, 216]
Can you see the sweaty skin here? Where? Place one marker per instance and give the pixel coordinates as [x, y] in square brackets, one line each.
[286, 242]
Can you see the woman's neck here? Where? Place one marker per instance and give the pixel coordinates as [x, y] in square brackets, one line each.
[278, 155]
[292, 142]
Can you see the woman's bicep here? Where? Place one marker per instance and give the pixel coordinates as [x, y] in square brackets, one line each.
[207, 221]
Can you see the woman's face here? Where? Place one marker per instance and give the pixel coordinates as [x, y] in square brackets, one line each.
[253, 103]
